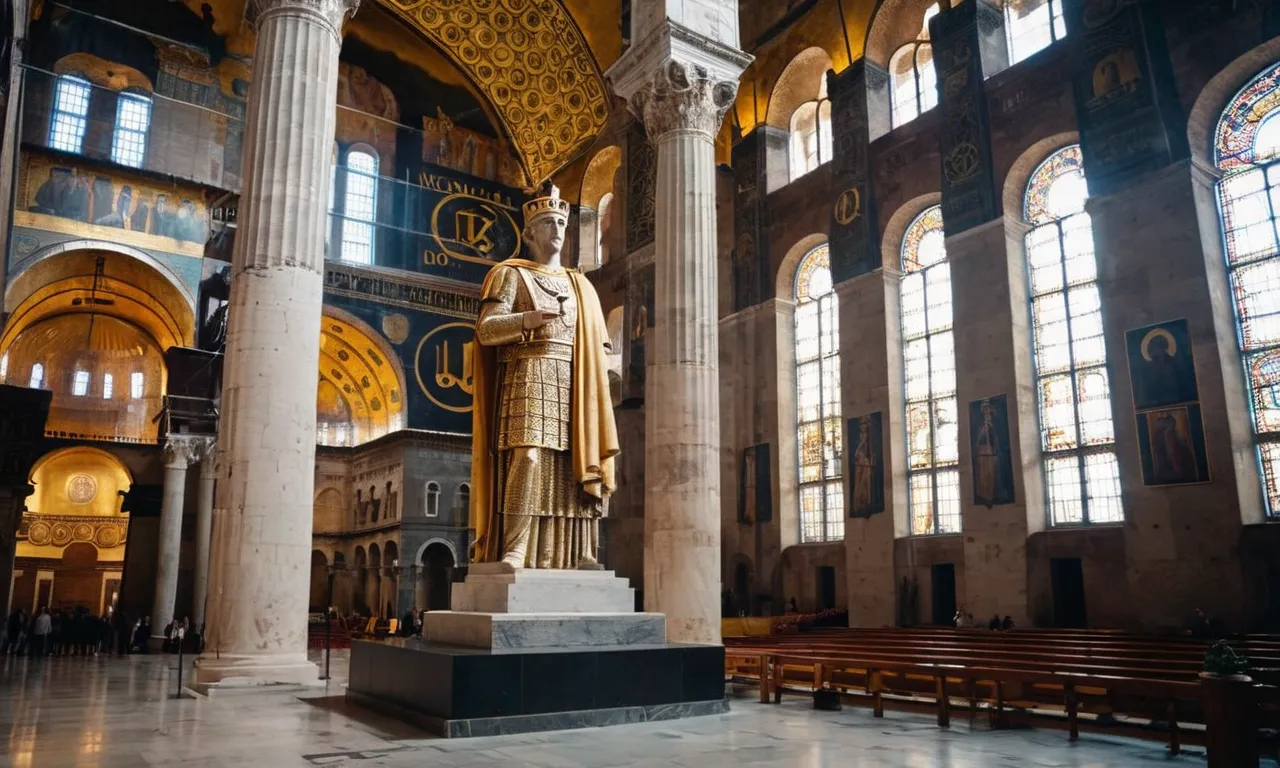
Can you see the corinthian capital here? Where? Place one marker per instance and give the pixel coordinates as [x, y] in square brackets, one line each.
[329, 12]
[181, 452]
[683, 97]
[209, 461]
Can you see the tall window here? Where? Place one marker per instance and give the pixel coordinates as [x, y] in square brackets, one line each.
[37, 376]
[1247, 148]
[913, 81]
[70, 113]
[108, 386]
[433, 499]
[359, 203]
[602, 216]
[464, 498]
[80, 383]
[818, 401]
[928, 350]
[133, 119]
[4, 367]
[811, 143]
[1082, 478]
[1032, 26]
[135, 385]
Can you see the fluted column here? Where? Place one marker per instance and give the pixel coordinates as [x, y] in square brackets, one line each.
[179, 452]
[204, 529]
[261, 559]
[682, 106]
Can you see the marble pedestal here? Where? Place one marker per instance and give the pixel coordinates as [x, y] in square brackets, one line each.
[527, 650]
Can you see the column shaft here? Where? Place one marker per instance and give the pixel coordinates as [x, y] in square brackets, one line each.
[170, 544]
[682, 431]
[259, 584]
[204, 529]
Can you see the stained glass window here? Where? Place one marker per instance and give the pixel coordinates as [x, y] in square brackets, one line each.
[819, 442]
[1082, 478]
[1031, 26]
[133, 120]
[70, 113]
[1247, 146]
[811, 143]
[929, 359]
[913, 81]
[359, 204]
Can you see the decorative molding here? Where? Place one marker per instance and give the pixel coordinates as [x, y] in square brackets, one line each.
[333, 12]
[62, 530]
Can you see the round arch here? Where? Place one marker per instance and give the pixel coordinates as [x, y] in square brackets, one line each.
[894, 23]
[597, 181]
[784, 288]
[1019, 175]
[362, 384]
[1202, 120]
[422, 550]
[896, 228]
[803, 80]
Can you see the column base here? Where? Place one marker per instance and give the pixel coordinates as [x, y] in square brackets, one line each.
[256, 671]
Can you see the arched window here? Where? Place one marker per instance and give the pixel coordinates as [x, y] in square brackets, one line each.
[811, 143]
[464, 498]
[80, 383]
[928, 351]
[1082, 479]
[358, 206]
[819, 441]
[913, 81]
[133, 120]
[433, 499]
[1031, 26]
[1247, 148]
[37, 376]
[70, 113]
[602, 216]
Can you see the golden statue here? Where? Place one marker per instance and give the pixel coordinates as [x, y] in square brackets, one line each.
[543, 435]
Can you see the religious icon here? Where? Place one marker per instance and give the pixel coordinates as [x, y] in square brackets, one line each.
[1171, 445]
[1161, 365]
[544, 440]
[866, 466]
[992, 461]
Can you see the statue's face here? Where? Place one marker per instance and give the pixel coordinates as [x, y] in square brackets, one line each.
[545, 237]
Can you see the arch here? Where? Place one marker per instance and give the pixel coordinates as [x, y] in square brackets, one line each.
[1019, 175]
[54, 474]
[360, 379]
[418, 558]
[431, 500]
[111, 75]
[547, 132]
[804, 79]
[1205, 114]
[597, 181]
[391, 553]
[894, 22]
[327, 511]
[819, 489]
[785, 285]
[895, 229]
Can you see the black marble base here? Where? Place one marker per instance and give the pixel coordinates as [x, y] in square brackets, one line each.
[471, 692]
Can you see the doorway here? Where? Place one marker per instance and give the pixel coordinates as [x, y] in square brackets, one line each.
[826, 587]
[944, 594]
[1067, 574]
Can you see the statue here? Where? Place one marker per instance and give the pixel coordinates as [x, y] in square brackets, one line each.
[543, 437]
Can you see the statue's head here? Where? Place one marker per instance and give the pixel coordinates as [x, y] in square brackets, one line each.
[545, 219]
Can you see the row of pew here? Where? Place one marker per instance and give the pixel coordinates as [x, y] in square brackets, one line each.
[1094, 677]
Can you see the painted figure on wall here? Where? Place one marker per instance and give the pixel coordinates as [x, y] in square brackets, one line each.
[64, 193]
[992, 462]
[1161, 365]
[544, 440]
[1171, 444]
[866, 466]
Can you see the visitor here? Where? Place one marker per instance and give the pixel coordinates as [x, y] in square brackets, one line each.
[16, 629]
[962, 619]
[994, 624]
[1007, 624]
[41, 626]
[142, 635]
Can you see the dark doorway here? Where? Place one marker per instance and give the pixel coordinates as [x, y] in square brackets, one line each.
[437, 571]
[826, 587]
[1068, 593]
[944, 594]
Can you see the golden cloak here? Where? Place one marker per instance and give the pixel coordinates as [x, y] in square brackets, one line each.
[594, 439]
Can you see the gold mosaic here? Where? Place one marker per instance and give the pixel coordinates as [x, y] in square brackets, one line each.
[530, 60]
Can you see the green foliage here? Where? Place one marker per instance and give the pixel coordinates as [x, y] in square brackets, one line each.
[1222, 659]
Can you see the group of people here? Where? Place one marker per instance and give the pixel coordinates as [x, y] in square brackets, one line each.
[79, 632]
[964, 619]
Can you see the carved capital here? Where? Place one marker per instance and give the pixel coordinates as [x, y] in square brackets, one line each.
[209, 461]
[683, 97]
[331, 13]
[181, 452]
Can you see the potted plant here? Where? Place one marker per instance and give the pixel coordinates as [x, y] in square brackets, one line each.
[1222, 661]
[1230, 716]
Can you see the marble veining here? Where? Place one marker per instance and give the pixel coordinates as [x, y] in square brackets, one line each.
[111, 713]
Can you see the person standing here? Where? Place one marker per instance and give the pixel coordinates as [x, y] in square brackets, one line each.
[17, 629]
[41, 626]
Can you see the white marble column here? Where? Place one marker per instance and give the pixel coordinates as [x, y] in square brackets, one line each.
[204, 529]
[179, 453]
[682, 102]
[261, 559]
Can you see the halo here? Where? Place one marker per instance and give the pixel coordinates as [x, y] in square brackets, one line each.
[1154, 332]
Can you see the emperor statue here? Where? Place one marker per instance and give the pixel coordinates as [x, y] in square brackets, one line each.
[543, 436]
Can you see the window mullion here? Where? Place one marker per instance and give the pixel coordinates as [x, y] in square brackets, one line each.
[1074, 374]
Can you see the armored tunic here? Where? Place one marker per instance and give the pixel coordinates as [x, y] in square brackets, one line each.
[535, 469]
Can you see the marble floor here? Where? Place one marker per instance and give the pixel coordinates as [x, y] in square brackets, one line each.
[110, 712]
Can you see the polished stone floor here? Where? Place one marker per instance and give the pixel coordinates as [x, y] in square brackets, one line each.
[87, 712]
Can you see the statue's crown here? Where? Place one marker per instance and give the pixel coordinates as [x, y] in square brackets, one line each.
[547, 202]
